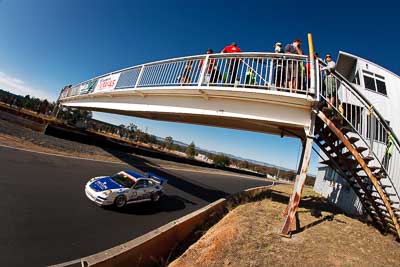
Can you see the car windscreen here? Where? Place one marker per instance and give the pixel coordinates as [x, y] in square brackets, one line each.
[122, 180]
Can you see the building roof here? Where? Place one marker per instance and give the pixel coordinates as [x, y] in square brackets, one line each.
[346, 63]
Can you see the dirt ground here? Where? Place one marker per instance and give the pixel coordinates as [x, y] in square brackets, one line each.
[248, 236]
[16, 136]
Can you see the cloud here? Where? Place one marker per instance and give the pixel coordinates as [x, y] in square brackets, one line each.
[19, 87]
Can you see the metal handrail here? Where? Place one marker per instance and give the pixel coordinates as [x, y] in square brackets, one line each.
[249, 54]
[194, 72]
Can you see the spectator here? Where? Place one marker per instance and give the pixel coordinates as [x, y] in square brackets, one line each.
[233, 63]
[212, 74]
[279, 66]
[185, 77]
[250, 76]
[388, 154]
[329, 82]
[293, 66]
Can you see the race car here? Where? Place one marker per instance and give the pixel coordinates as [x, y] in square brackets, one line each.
[125, 187]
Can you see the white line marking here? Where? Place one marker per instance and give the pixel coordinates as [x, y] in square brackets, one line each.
[221, 173]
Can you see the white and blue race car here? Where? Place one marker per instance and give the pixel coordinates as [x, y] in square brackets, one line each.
[125, 187]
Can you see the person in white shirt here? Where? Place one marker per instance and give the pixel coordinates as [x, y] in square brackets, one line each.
[330, 81]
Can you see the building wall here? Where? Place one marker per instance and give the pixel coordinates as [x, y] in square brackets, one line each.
[337, 191]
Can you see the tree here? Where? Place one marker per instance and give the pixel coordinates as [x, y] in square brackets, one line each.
[191, 150]
[221, 160]
[132, 127]
[168, 142]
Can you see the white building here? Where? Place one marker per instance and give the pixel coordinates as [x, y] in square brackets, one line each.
[382, 88]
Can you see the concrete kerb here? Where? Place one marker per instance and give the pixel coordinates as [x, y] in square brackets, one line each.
[154, 248]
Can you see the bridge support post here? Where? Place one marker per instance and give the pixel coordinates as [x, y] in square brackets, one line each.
[289, 224]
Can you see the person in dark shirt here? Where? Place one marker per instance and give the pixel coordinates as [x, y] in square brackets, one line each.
[185, 77]
[293, 66]
[212, 72]
[233, 63]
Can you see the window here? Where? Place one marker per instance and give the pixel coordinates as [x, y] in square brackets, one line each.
[141, 184]
[356, 78]
[369, 83]
[381, 86]
[374, 82]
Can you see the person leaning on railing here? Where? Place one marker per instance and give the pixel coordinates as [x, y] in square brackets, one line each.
[185, 77]
[388, 154]
[279, 67]
[212, 75]
[329, 82]
[293, 66]
[233, 63]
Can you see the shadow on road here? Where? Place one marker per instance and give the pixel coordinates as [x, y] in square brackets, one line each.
[191, 187]
[166, 204]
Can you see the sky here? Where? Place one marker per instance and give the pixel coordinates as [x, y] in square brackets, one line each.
[48, 44]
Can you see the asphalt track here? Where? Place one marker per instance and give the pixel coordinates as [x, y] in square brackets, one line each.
[46, 218]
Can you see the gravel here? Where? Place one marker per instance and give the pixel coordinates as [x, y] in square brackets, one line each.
[48, 141]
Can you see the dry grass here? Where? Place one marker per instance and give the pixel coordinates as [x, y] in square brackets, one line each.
[248, 236]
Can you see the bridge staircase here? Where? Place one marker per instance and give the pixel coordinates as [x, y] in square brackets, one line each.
[343, 134]
[352, 162]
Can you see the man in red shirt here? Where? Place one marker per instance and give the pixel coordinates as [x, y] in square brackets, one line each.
[231, 48]
[233, 63]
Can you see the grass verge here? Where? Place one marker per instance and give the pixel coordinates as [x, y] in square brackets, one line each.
[248, 236]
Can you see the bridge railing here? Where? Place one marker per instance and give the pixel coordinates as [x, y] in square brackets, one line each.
[366, 122]
[269, 71]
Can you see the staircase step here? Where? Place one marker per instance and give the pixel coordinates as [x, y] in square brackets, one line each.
[372, 168]
[353, 139]
[345, 162]
[393, 231]
[373, 197]
[388, 215]
[360, 150]
[368, 158]
[387, 220]
[340, 146]
[346, 129]
[337, 119]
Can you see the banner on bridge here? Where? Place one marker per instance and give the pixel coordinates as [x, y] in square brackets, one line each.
[107, 83]
[87, 87]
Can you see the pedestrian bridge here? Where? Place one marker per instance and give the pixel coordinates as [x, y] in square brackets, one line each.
[268, 93]
[182, 90]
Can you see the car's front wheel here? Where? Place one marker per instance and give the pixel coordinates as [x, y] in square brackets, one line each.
[120, 201]
[156, 197]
